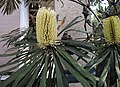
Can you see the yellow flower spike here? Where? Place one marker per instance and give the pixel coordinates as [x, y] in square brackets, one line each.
[106, 30]
[46, 27]
[111, 29]
[117, 29]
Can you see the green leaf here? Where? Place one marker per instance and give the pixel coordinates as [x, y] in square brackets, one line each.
[26, 78]
[74, 72]
[21, 51]
[104, 74]
[73, 22]
[59, 76]
[10, 69]
[21, 76]
[86, 45]
[61, 80]
[8, 6]
[78, 67]
[11, 63]
[99, 58]
[88, 51]
[80, 30]
[13, 77]
[29, 75]
[25, 43]
[117, 68]
[44, 72]
[35, 74]
[8, 55]
[76, 51]
[24, 69]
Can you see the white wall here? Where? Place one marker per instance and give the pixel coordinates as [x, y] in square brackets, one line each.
[8, 23]
[70, 10]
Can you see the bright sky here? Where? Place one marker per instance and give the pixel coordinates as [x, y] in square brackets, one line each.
[104, 4]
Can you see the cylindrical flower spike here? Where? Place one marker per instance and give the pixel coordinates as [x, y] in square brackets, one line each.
[111, 29]
[46, 27]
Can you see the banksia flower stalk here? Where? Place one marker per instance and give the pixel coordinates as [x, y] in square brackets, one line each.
[46, 27]
[111, 29]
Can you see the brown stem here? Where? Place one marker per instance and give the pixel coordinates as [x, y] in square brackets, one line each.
[81, 3]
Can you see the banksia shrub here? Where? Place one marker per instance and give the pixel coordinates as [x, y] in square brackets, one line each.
[111, 29]
[46, 27]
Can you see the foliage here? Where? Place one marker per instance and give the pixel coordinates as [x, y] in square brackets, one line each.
[46, 66]
[9, 6]
[107, 62]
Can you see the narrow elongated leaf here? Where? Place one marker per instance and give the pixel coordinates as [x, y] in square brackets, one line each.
[88, 51]
[34, 76]
[74, 72]
[76, 51]
[24, 69]
[82, 44]
[11, 63]
[25, 43]
[61, 80]
[104, 74]
[73, 22]
[19, 62]
[21, 59]
[10, 69]
[29, 75]
[44, 73]
[117, 64]
[12, 77]
[24, 73]
[8, 55]
[59, 76]
[104, 53]
[26, 78]
[19, 52]
[81, 30]
[8, 6]
[18, 47]
[78, 67]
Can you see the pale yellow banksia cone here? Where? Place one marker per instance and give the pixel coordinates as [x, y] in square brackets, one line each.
[111, 29]
[46, 27]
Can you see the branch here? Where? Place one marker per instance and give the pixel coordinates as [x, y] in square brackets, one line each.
[95, 15]
[81, 3]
